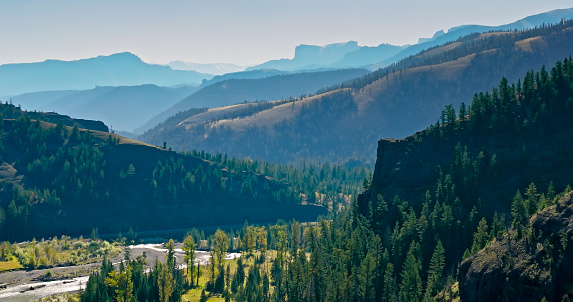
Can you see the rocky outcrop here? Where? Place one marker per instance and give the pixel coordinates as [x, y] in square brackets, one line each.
[517, 268]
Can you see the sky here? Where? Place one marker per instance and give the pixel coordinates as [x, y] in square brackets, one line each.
[243, 32]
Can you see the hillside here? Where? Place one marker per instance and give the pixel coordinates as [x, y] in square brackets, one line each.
[391, 102]
[252, 74]
[521, 268]
[58, 180]
[476, 206]
[233, 91]
[122, 108]
[504, 157]
[123, 69]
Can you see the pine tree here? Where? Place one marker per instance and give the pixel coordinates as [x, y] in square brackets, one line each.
[164, 283]
[518, 211]
[390, 289]
[436, 270]
[411, 285]
[189, 249]
[480, 236]
[532, 200]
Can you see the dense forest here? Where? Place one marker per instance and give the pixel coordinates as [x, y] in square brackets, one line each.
[59, 180]
[397, 249]
[392, 102]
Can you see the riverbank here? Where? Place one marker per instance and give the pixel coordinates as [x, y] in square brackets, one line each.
[27, 285]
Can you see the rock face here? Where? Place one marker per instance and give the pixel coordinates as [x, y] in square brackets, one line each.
[525, 270]
[311, 56]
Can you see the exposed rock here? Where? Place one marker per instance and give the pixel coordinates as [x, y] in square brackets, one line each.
[525, 270]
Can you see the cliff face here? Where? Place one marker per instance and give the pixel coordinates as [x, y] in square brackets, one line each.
[407, 168]
[521, 269]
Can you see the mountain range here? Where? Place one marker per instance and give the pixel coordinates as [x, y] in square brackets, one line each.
[391, 102]
[59, 82]
[122, 108]
[232, 91]
[350, 55]
[122, 69]
[214, 69]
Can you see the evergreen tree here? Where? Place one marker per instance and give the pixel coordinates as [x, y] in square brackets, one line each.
[481, 237]
[390, 291]
[411, 285]
[189, 249]
[436, 270]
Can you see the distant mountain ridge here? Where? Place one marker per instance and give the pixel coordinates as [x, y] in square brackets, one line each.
[122, 108]
[214, 69]
[391, 102]
[122, 69]
[454, 33]
[311, 57]
[350, 55]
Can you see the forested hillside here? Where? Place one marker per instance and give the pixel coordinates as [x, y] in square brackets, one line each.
[493, 174]
[391, 102]
[237, 90]
[56, 179]
[477, 172]
[477, 207]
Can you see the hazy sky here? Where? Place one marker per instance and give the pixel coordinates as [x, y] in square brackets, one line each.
[232, 31]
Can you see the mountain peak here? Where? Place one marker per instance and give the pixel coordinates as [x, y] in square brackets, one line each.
[121, 56]
[329, 49]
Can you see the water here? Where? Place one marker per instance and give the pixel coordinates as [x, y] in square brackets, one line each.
[14, 294]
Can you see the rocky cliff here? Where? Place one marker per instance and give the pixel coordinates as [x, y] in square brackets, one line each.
[525, 269]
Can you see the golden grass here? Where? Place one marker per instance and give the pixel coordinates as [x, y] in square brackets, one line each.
[273, 115]
[443, 71]
[525, 45]
[10, 265]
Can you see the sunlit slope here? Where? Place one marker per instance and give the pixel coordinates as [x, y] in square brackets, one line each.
[393, 102]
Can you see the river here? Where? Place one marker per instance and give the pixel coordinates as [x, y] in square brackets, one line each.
[22, 293]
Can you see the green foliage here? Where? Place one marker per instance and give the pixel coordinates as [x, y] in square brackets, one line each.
[131, 283]
[58, 252]
[69, 170]
[436, 271]
[481, 236]
[189, 248]
[411, 286]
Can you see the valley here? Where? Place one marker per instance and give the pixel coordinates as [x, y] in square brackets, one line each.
[437, 171]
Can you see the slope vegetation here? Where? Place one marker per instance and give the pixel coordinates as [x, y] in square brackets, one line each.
[391, 102]
[58, 180]
[523, 268]
[233, 91]
[486, 176]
